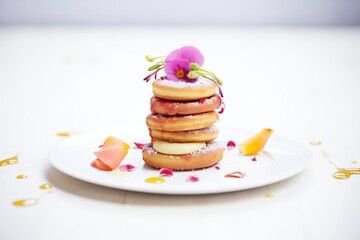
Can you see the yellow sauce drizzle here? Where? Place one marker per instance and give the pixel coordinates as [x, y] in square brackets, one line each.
[46, 186]
[341, 173]
[155, 180]
[268, 195]
[21, 176]
[315, 143]
[345, 173]
[63, 134]
[354, 162]
[31, 201]
[26, 202]
[9, 161]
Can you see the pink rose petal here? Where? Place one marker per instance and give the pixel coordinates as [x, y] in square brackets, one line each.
[192, 178]
[236, 174]
[166, 172]
[231, 145]
[127, 168]
[139, 145]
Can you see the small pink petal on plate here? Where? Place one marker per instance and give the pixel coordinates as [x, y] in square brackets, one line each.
[139, 145]
[192, 179]
[127, 168]
[236, 174]
[231, 145]
[166, 172]
[217, 167]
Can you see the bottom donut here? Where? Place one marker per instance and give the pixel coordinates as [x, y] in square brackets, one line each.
[203, 158]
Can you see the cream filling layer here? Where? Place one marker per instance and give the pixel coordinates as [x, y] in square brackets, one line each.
[177, 148]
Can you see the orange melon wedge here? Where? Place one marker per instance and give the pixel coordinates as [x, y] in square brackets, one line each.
[111, 154]
[256, 143]
[113, 141]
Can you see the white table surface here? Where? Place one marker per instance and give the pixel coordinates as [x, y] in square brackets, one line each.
[304, 83]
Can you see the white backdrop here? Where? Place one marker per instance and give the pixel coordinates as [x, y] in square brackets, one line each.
[184, 12]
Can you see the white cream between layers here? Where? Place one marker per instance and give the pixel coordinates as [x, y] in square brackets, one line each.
[177, 148]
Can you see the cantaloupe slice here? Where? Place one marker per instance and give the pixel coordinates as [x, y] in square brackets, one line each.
[111, 154]
[256, 143]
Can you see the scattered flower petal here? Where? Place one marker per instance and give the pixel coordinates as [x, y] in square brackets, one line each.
[236, 174]
[127, 168]
[192, 178]
[139, 145]
[254, 159]
[217, 167]
[166, 172]
[231, 145]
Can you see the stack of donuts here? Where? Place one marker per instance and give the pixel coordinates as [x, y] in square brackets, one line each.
[181, 125]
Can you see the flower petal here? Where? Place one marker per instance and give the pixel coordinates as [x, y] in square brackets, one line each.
[139, 145]
[172, 66]
[236, 174]
[127, 168]
[192, 178]
[166, 172]
[192, 54]
[231, 145]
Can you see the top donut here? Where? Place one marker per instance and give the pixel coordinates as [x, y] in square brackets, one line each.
[184, 91]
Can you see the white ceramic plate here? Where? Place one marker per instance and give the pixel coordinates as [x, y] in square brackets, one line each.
[281, 159]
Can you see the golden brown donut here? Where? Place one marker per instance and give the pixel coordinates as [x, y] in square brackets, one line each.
[184, 91]
[181, 123]
[167, 107]
[203, 158]
[200, 135]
